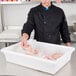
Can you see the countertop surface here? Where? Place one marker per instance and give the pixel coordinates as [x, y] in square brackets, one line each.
[7, 68]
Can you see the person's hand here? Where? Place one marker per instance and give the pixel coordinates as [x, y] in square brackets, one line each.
[24, 43]
[24, 40]
[68, 44]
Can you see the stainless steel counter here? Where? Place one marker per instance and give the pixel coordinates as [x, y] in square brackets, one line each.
[7, 68]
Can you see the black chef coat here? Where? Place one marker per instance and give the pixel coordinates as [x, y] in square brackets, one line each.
[49, 25]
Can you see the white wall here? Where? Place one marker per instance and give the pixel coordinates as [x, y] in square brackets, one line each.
[15, 15]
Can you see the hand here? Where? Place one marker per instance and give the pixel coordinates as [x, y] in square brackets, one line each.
[68, 44]
[24, 43]
[24, 40]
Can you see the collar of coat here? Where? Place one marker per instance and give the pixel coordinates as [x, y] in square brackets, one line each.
[45, 7]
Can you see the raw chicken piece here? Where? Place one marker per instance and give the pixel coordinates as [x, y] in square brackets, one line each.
[57, 55]
[48, 57]
[36, 51]
[30, 50]
[52, 57]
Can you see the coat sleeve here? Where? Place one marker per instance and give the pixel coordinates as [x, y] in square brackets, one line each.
[29, 25]
[65, 35]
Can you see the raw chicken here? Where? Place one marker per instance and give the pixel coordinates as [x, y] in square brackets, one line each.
[30, 50]
[48, 57]
[57, 55]
[36, 51]
[52, 57]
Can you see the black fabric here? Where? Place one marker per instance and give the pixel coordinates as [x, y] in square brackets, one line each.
[49, 25]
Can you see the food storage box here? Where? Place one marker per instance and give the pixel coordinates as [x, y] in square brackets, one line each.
[16, 54]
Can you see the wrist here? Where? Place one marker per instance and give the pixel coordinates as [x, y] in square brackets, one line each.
[25, 36]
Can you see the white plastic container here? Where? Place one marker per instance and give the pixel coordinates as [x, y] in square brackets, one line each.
[16, 54]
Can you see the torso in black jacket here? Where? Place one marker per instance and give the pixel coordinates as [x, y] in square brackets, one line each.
[48, 24]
